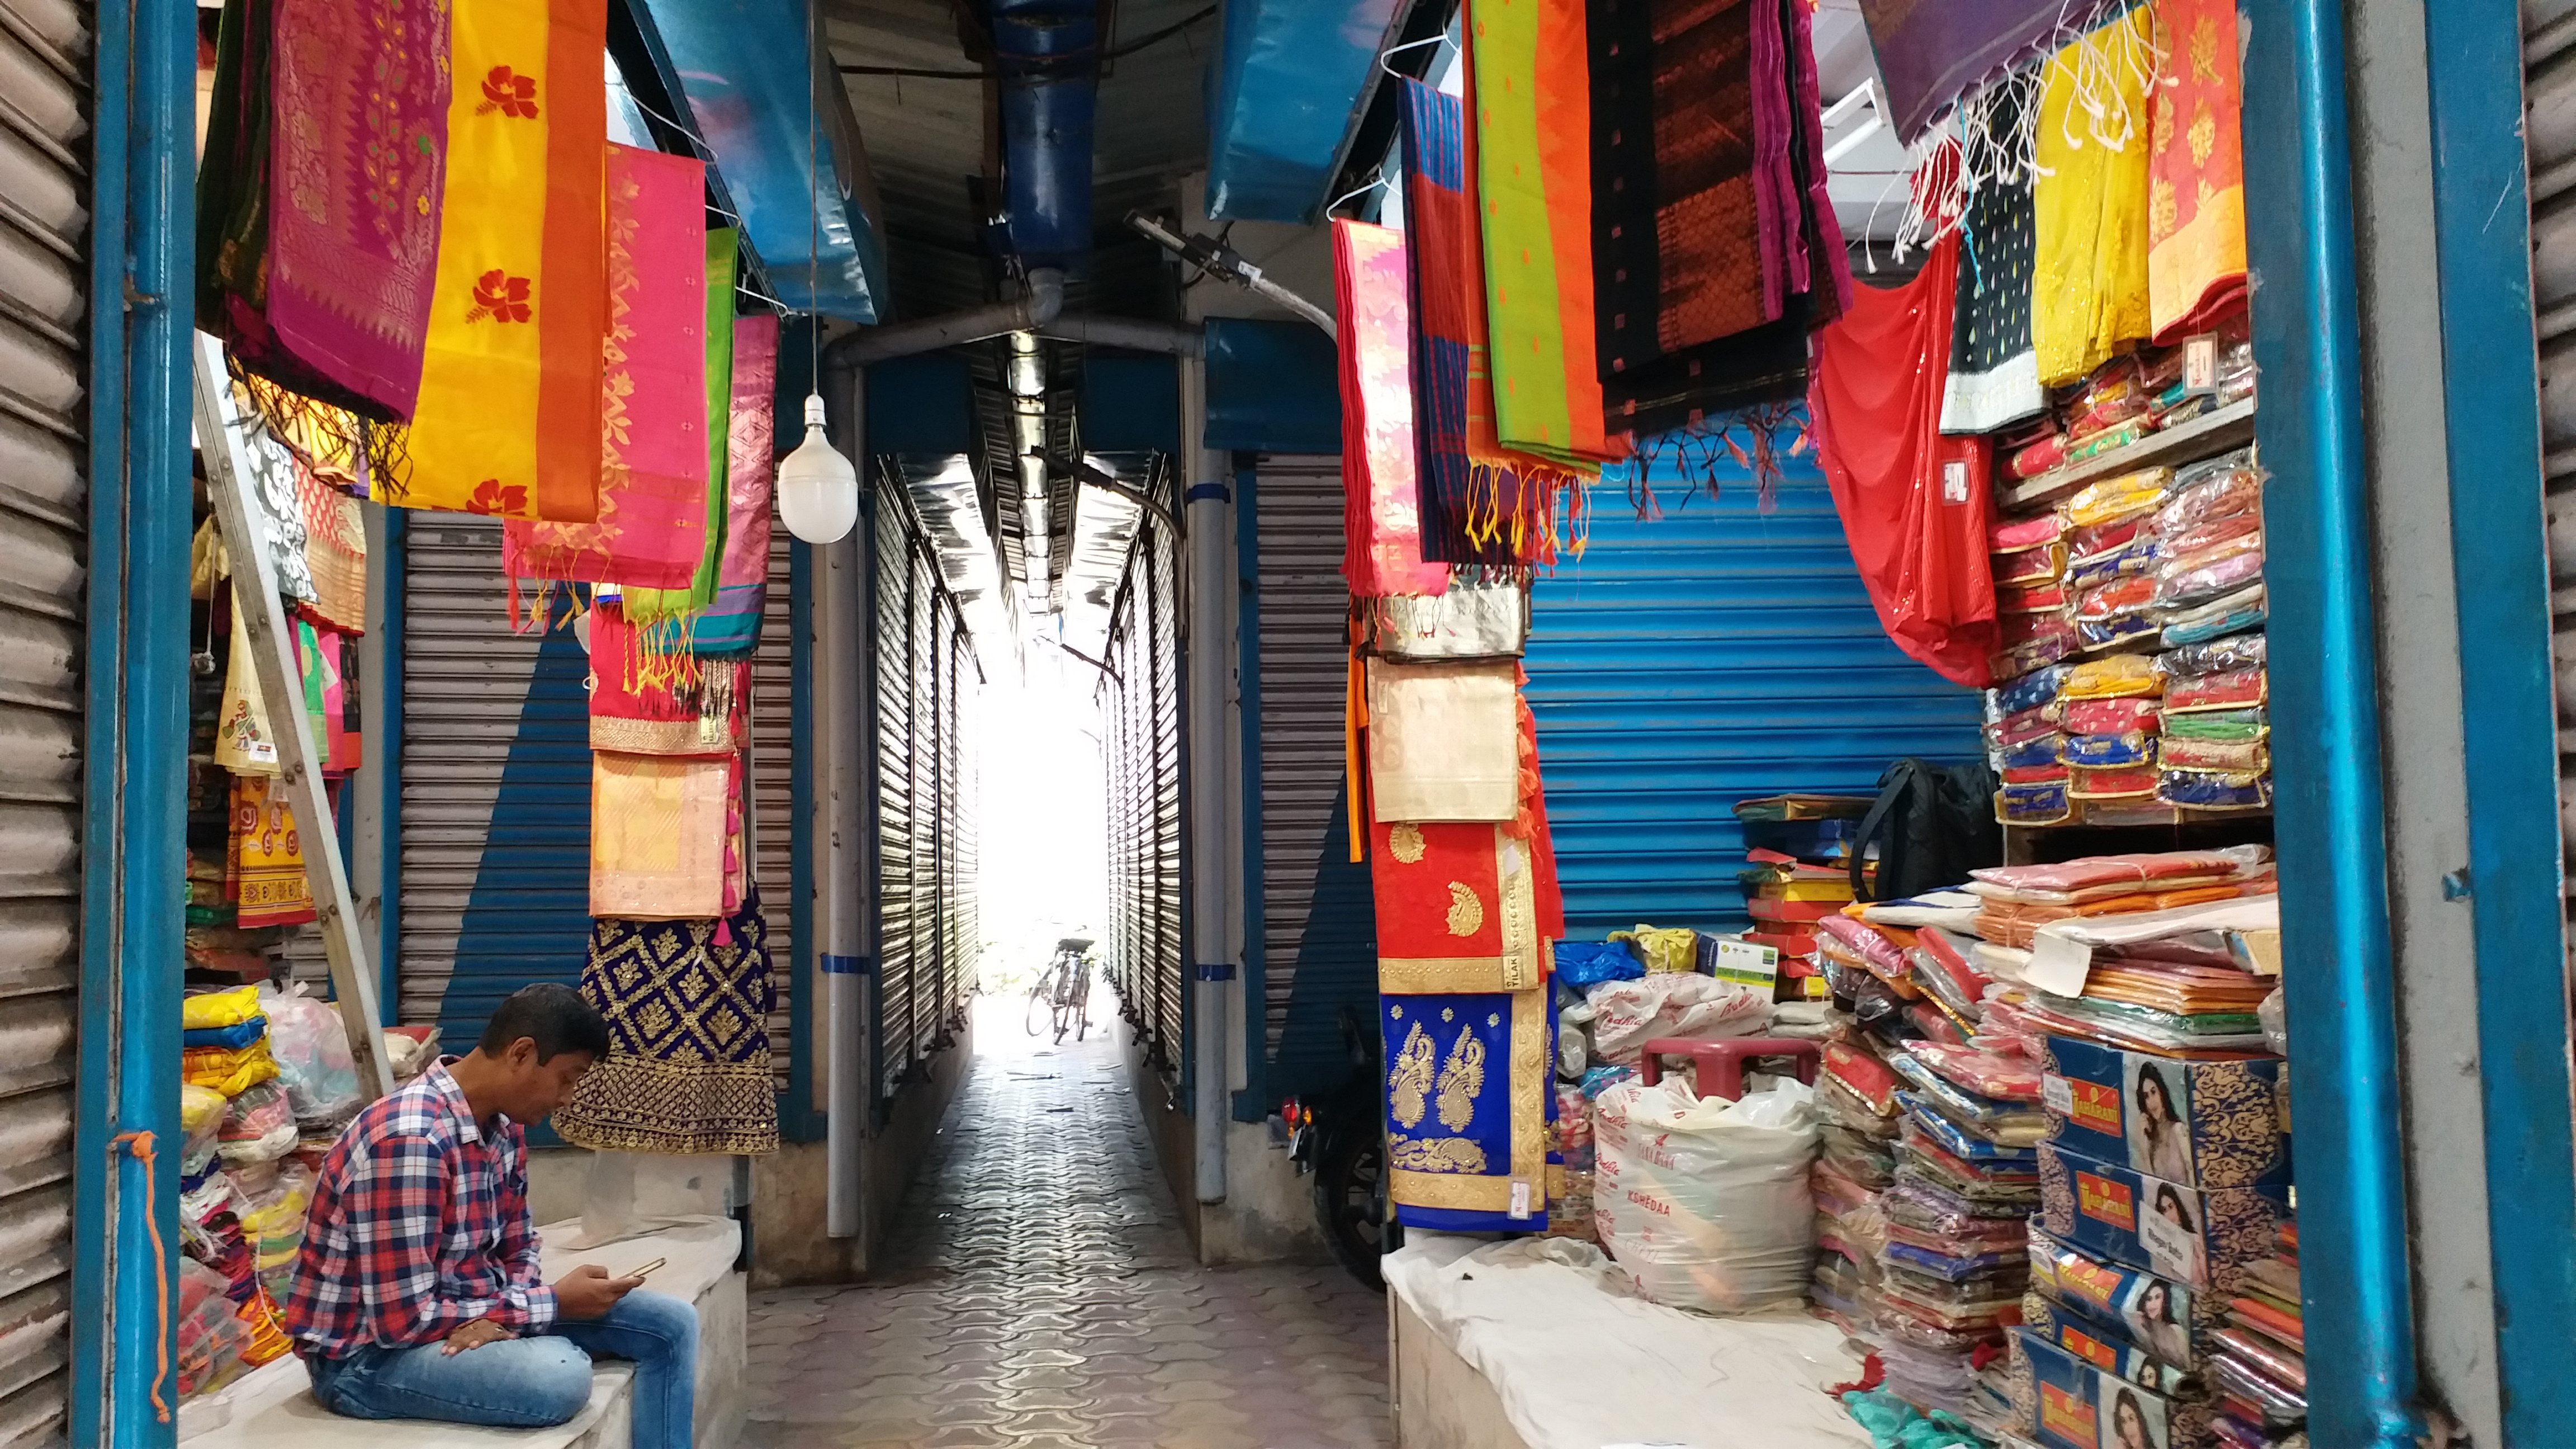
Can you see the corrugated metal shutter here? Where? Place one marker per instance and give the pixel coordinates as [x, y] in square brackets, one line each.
[1709, 656]
[1141, 705]
[773, 794]
[965, 866]
[925, 808]
[1163, 726]
[895, 946]
[45, 66]
[2549, 59]
[495, 786]
[1318, 930]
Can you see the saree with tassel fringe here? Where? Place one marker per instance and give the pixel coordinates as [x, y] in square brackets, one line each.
[1477, 505]
[1381, 509]
[508, 419]
[1525, 61]
[1994, 372]
[649, 696]
[1931, 54]
[687, 1069]
[650, 528]
[731, 625]
[715, 406]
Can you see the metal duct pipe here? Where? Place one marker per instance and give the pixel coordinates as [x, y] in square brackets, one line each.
[1034, 307]
[844, 876]
[1213, 602]
[1130, 333]
[1027, 384]
[1045, 50]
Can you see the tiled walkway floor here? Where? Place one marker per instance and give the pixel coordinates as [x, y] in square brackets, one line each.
[1043, 1294]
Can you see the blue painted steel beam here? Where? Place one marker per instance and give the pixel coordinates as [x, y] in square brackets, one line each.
[2500, 554]
[1288, 76]
[386, 730]
[749, 75]
[143, 226]
[2330, 812]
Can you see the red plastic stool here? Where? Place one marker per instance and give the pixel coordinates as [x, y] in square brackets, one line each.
[1718, 1066]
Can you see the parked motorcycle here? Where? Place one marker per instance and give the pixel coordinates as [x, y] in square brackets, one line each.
[1340, 1138]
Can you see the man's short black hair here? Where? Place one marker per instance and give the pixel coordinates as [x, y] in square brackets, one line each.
[553, 1016]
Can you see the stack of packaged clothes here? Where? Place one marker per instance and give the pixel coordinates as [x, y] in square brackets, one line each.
[2133, 658]
[2130, 398]
[2259, 1369]
[1797, 872]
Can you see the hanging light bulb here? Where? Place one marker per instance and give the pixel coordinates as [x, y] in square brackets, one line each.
[818, 490]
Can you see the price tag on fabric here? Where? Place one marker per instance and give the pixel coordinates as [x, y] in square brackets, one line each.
[2200, 364]
[2057, 1095]
[1520, 1200]
[2057, 965]
[1954, 481]
[1746, 964]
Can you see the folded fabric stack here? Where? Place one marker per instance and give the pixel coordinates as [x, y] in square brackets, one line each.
[1786, 895]
[2092, 725]
[1857, 1093]
[2260, 1368]
[2127, 399]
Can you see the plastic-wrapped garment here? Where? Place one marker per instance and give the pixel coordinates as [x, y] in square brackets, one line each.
[2275, 1015]
[2134, 559]
[1628, 1014]
[229, 1072]
[2210, 574]
[2230, 614]
[2044, 803]
[2210, 790]
[2113, 676]
[2218, 656]
[2211, 534]
[2032, 459]
[1589, 963]
[2094, 876]
[2117, 599]
[210, 1336]
[2053, 773]
[1914, 504]
[2031, 641]
[2220, 726]
[201, 1124]
[2222, 487]
[2112, 716]
[2113, 499]
[2046, 528]
[2030, 691]
[2184, 753]
[259, 1126]
[1669, 948]
[2109, 440]
[2003, 1078]
[2124, 782]
[2086, 544]
[1705, 1203]
[1965, 1105]
[314, 1064]
[2102, 752]
[2026, 726]
[225, 1038]
[2048, 749]
[2022, 568]
[2235, 689]
[2134, 628]
[208, 1010]
[2041, 598]
[1872, 945]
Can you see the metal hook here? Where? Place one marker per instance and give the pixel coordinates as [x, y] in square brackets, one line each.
[1441, 39]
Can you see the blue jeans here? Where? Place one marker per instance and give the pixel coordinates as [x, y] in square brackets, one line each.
[530, 1383]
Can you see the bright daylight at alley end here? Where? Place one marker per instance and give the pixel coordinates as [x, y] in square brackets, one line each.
[1287, 724]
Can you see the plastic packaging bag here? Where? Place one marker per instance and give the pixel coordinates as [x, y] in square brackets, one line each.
[211, 1010]
[2182, 753]
[2218, 656]
[2038, 803]
[2098, 752]
[201, 1124]
[2274, 1013]
[2223, 487]
[2112, 716]
[2210, 578]
[2134, 559]
[1628, 1014]
[210, 1336]
[2231, 614]
[2030, 724]
[1669, 948]
[2046, 528]
[2114, 676]
[2223, 726]
[2235, 689]
[314, 1064]
[2005, 1078]
[2123, 782]
[2215, 790]
[259, 1127]
[1705, 1203]
[2030, 691]
[1589, 963]
[2091, 543]
[2112, 499]
[2047, 749]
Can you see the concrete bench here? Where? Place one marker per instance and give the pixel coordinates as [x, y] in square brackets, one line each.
[273, 1407]
[1540, 1344]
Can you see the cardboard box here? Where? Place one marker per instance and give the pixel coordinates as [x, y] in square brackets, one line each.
[2207, 1124]
[2170, 1320]
[2065, 1402]
[2173, 1230]
[2108, 1351]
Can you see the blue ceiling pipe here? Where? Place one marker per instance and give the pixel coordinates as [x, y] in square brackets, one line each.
[1048, 54]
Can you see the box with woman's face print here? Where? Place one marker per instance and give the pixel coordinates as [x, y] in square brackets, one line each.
[2197, 1123]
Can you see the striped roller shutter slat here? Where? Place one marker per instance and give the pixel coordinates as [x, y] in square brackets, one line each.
[893, 624]
[773, 793]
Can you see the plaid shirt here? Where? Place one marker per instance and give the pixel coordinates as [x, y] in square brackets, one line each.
[419, 1224]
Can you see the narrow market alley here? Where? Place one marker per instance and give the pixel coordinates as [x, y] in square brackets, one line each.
[1042, 1294]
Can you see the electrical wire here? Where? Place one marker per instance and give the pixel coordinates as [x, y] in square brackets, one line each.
[1036, 67]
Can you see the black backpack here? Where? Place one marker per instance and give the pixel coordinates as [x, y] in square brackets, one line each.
[1932, 824]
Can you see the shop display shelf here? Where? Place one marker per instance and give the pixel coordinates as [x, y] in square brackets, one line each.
[2203, 437]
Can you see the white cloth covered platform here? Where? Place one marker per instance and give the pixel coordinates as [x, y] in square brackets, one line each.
[1539, 1343]
[273, 1406]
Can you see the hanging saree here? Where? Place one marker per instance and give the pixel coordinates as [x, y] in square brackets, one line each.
[650, 527]
[647, 605]
[657, 829]
[335, 553]
[687, 1070]
[649, 700]
[730, 627]
[1526, 59]
[2196, 177]
[2089, 277]
[270, 888]
[245, 743]
[1928, 55]
[1441, 741]
[1994, 373]
[509, 420]
[360, 101]
[1381, 497]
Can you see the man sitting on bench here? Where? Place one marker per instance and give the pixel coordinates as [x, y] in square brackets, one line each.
[417, 1294]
